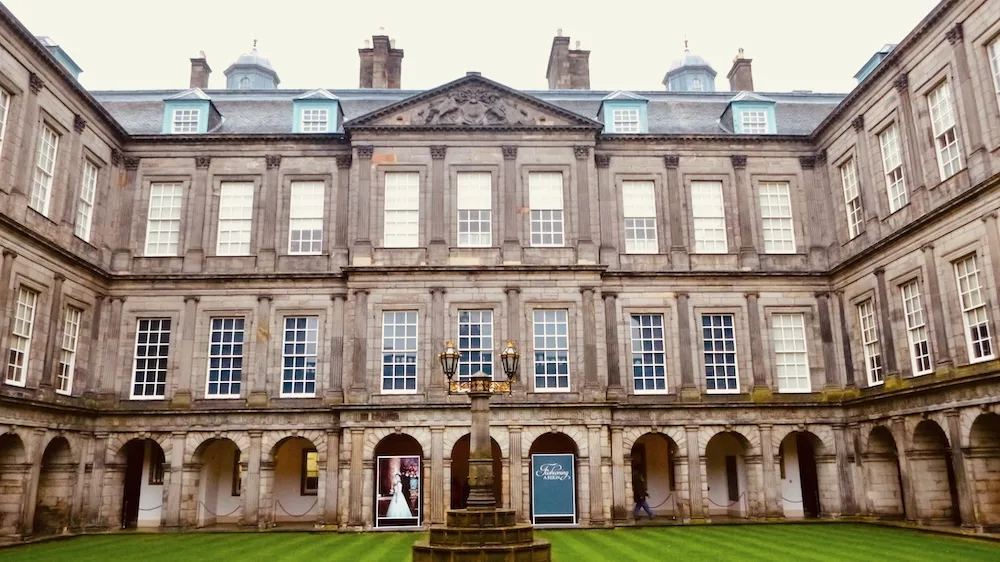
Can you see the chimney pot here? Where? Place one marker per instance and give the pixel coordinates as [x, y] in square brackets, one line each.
[473, 73]
[568, 69]
[559, 32]
[740, 76]
[381, 64]
[200, 72]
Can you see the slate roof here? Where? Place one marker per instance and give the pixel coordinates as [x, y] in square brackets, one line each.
[271, 111]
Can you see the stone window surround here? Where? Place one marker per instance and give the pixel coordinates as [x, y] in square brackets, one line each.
[950, 297]
[39, 332]
[142, 212]
[814, 351]
[743, 360]
[796, 200]
[671, 359]
[202, 340]
[284, 210]
[15, 110]
[662, 210]
[868, 292]
[837, 181]
[569, 205]
[980, 64]
[944, 75]
[275, 366]
[501, 322]
[59, 170]
[211, 230]
[894, 288]
[129, 330]
[728, 206]
[427, 349]
[574, 318]
[84, 331]
[377, 226]
[450, 212]
[893, 116]
[97, 213]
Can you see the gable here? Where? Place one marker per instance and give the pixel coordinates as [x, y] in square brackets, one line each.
[472, 102]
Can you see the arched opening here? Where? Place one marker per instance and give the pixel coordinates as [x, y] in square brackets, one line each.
[799, 472]
[935, 488]
[553, 480]
[460, 472]
[654, 459]
[295, 488]
[885, 481]
[220, 482]
[984, 456]
[55, 488]
[14, 469]
[725, 466]
[398, 482]
[142, 489]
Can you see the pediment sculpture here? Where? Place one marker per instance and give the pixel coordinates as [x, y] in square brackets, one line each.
[474, 106]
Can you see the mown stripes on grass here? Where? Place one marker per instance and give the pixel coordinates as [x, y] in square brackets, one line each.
[810, 542]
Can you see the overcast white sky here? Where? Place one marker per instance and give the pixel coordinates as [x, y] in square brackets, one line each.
[794, 44]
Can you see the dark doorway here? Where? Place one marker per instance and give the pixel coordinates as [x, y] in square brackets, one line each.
[956, 514]
[460, 473]
[808, 475]
[732, 478]
[135, 451]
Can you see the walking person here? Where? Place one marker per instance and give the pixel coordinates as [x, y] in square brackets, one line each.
[640, 494]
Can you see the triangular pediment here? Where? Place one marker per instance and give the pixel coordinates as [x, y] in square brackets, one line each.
[472, 102]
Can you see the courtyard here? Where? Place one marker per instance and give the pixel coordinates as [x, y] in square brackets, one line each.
[805, 542]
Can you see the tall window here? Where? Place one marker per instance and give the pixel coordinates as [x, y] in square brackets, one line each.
[235, 219]
[551, 331]
[185, 121]
[225, 358]
[545, 195]
[163, 225]
[625, 120]
[869, 343]
[945, 133]
[639, 210]
[776, 218]
[852, 197]
[152, 351]
[67, 356]
[916, 329]
[993, 49]
[709, 218]
[45, 168]
[790, 356]
[719, 336]
[85, 206]
[20, 341]
[475, 343]
[305, 218]
[892, 164]
[970, 295]
[4, 112]
[754, 122]
[298, 360]
[310, 473]
[649, 364]
[475, 210]
[402, 209]
[315, 120]
[399, 351]
[696, 85]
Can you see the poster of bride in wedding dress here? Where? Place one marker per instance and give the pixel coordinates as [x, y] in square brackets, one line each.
[398, 491]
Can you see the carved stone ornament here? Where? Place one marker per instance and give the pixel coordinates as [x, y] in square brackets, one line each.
[955, 34]
[202, 161]
[366, 151]
[438, 152]
[116, 157]
[858, 123]
[132, 162]
[821, 157]
[474, 105]
[581, 152]
[602, 160]
[272, 161]
[35, 83]
[807, 162]
[739, 161]
[509, 152]
[344, 161]
[79, 124]
[671, 161]
[902, 83]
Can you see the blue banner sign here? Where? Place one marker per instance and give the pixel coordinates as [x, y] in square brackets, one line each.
[553, 489]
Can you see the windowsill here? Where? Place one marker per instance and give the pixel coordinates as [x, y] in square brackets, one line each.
[876, 384]
[973, 361]
[310, 395]
[795, 391]
[222, 397]
[723, 392]
[651, 392]
[146, 398]
[14, 384]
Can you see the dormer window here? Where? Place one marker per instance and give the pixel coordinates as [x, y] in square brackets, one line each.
[316, 111]
[754, 122]
[623, 113]
[315, 120]
[185, 121]
[625, 120]
[751, 114]
[190, 112]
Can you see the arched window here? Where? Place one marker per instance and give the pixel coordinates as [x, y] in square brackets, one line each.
[245, 83]
[696, 85]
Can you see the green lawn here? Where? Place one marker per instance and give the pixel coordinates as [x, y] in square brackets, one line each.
[820, 542]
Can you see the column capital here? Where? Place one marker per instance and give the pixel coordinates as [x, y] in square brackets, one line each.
[101, 435]
[202, 162]
[602, 160]
[928, 247]
[440, 290]
[268, 298]
[681, 295]
[807, 162]
[951, 413]
[79, 123]
[508, 290]
[178, 434]
[767, 426]
[437, 429]
[609, 295]
[9, 253]
[586, 289]
[59, 277]
[344, 161]
[858, 123]
[192, 298]
[879, 271]
[739, 161]
[330, 432]
[132, 163]
[119, 298]
[902, 83]
[514, 428]
[255, 433]
[671, 161]
[751, 295]
[581, 152]
[365, 151]
[821, 157]
[992, 215]
[338, 295]
[822, 294]
[357, 292]
[509, 151]
[35, 83]
[955, 34]
[690, 428]
[272, 161]
[116, 157]
[438, 152]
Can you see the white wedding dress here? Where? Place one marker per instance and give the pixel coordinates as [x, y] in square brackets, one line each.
[398, 508]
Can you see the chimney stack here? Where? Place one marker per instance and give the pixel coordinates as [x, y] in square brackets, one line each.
[381, 64]
[569, 69]
[200, 71]
[740, 77]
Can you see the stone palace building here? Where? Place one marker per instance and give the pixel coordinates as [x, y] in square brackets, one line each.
[224, 306]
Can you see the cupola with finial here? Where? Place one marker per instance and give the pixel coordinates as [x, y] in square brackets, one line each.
[251, 72]
[690, 73]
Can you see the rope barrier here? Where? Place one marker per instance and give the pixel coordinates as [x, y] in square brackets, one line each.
[237, 508]
[738, 500]
[670, 495]
[151, 508]
[790, 501]
[277, 503]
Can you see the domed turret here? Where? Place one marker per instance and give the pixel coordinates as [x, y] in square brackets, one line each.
[251, 72]
[690, 73]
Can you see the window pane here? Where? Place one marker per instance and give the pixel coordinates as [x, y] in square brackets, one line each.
[235, 219]
[225, 358]
[719, 339]
[298, 359]
[475, 204]
[475, 343]
[163, 224]
[399, 351]
[776, 218]
[649, 371]
[152, 349]
[709, 217]
[551, 346]
[791, 357]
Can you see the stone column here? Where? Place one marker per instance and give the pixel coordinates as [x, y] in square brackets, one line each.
[331, 509]
[90, 383]
[197, 207]
[888, 345]
[76, 516]
[591, 386]
[744, 218]
[251, 480]
[586, 252]
[335, 392]
[609, 211]
[173, 511]
[689, 390]
[845, 342]
[694, 474]
[35, 448]
[267, 255]
[615, 390]
[50, 365]
[186, 381]
[826, 336]
[772, 494]
[29, 135]
[913, 154]
[902, 453]
[513, 313]
[815, 212]
[122, 221]
[437, 475]
[514, 462]
[65, 211]
[675, 197]
[993, 239]
[356, 489]
[761, 389]
[435, 382]
[596, 482]
[110, 363]
[966, 507]
[342, 202]
[845, 481]
[258, 388]
[979, 162]
[619, 505]
[359, 367]
[95, 493]
[940, 328]
[821, 197]
[437, 248]
[361, 253]
[6, 290]
[512, 225]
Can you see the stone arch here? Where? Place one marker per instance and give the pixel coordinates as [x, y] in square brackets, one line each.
[453, 434]
[136, 478]
[822, 434]
[14, 470]
[727, 473]
[292, 476]
[197, 442]
[274, 439]
[882, 473]
[807, 474]
[984, 458]
[375, 436]
[459, 473]
[557, 443]
[213, 474]
[577, 434]
[56, 481]
[654, 461]
[935, 488]
[675, 433]
[748, 435]
[398, 493]
[117, 443]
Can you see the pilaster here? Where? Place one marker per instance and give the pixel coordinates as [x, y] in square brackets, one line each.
[29, 134]
[361, 253]
[173, 503]
[845, 483]
[339, 251]
[592, 388]
[979, 162]
[694, 474]
[941, 351]
[251, 480]
[331, 511]
[678, 242]
[761, 389]
[615, 391]
[966, 495]
[749, 260]
[586, 251]
[619, 507]
[596, 482]
[335, 391]
[122, 222]
[689, 391]
[197, 207]
[437, 248]
[514, 462]
[258, 393]
[50, 365]
[437, 475]
[512, 226]
[186, 380]
[772, 500]
[356, 487]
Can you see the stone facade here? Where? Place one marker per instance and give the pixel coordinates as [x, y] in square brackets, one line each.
[920, 447]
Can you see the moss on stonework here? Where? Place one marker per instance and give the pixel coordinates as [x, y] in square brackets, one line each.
[761, 394]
